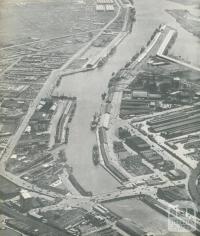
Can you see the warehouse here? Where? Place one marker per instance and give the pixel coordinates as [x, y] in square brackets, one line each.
[151, 156]
[108, 108]
[173, 116]
[105, 120]
[140, 94]
[155, 96]
[134, 107]
[180, 131]
[137, 144]
[176, 123]
[176, 175]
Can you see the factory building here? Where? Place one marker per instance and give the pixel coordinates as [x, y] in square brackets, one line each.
[140, 94]
[137, 144]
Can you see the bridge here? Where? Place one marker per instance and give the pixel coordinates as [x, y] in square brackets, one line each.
[119, 195]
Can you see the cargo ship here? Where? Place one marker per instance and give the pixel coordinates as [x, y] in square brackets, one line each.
[112, 51]
[94, 122]
[95, 155]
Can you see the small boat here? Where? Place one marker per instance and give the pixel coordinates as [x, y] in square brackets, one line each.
[113, 50]
[103, 96]
[95, 154]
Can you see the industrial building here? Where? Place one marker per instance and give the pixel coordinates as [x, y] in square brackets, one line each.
[138, 102]
[108, 108]
[137, 144]
[151, 156]
[139, 94]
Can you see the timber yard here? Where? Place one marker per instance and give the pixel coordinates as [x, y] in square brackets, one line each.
[100, 118]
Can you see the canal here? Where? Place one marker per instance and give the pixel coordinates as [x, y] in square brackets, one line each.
[89, 86]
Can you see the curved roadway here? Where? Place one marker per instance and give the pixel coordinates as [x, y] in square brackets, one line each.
[192, 185]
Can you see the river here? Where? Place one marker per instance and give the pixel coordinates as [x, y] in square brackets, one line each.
[89, 86]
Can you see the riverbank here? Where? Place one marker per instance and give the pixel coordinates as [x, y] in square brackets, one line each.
[104, 134]
[186, 20]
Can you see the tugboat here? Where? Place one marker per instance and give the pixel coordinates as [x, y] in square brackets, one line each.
[95, 155]
[103, 96]
[112, 51]
[94, 122]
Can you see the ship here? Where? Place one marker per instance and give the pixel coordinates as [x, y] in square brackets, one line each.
[58, 82]
[95, 154]
[94, 122]
[112, 51]
[103, 96]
